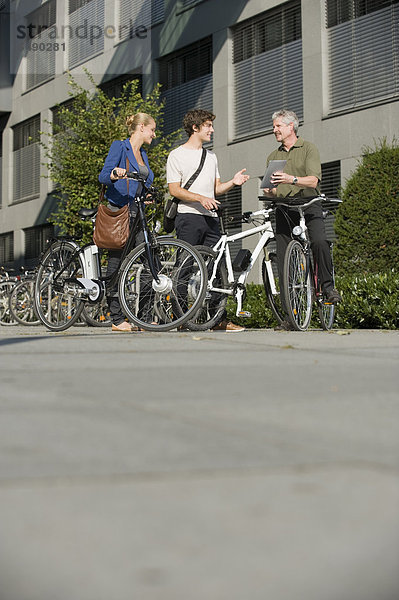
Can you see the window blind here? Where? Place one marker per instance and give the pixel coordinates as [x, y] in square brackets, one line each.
[133, 14]
[197, 93]
[186, 78]
[340, 11]
[40, 63]
[330, 185]
[263, 46]
[26, 133]
[157, 11]
[26, 156]
[6, 248]
[363, 55]
[43, 17]
[87, 17]
[331, 178]
[36, 240]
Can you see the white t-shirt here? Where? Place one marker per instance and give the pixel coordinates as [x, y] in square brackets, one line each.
[181, 165]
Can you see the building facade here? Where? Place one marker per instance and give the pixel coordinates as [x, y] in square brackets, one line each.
[334, 62]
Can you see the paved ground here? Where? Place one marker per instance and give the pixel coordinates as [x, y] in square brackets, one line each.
[253, 466]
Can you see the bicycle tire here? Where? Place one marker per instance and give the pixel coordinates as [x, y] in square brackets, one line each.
[326, 315]
[21, 303]
[214, 304]
[275, 301]
[5, 291]
[182, 272]
[57, 307]
[297, 286]
[97, 315]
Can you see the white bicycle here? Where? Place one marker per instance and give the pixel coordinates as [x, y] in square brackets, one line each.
[227, 277]
[292, 299]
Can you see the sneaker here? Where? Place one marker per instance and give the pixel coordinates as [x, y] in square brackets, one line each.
[228, 326]
[332, 296]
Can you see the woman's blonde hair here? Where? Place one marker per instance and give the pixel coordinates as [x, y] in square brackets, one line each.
[134, 121]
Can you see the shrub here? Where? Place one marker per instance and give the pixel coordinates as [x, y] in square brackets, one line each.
[369, 302]
[79, 141]
[367, 222]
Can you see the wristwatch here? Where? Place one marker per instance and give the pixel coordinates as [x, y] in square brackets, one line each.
[295, 180]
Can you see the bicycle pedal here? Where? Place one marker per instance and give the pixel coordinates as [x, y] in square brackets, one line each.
[244, 314]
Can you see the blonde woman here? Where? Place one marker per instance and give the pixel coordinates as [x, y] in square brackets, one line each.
[126, 155]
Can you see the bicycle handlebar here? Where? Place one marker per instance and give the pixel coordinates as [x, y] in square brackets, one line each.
[295, 202]
[140, 179]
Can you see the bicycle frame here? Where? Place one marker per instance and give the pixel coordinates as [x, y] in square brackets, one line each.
[222, 249]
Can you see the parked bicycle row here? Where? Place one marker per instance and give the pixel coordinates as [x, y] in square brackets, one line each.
[17, 302]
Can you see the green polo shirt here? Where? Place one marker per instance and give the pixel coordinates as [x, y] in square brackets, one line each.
[303, 159]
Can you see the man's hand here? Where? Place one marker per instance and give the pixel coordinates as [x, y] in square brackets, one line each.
[239, 178]
[209, 203]
[280, 177]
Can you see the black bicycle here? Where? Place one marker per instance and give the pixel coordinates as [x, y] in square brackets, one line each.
[301, 286]
[161, 283]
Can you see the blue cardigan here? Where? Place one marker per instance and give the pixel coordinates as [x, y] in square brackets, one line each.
[117, 191]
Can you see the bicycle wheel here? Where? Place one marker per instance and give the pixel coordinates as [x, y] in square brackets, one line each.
[297, 286]
[326, 314]
[170, 302]
[5, 314]
[214, 304]
[97, 315]
[275, 300]
[21, 303]
[56, 298]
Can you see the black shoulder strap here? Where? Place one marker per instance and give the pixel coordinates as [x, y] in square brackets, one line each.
[198, 171]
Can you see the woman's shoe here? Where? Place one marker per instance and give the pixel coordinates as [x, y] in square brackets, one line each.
[124, 326]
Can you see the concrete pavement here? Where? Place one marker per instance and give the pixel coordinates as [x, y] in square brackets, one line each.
[259, 465]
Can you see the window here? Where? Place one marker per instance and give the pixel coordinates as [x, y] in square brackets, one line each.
[331, 178]
[233, 200]
[330, 186]
[36, 240]
[363, 49]
[113, 87]
[26, 157]
[40, 61]
[267, 44]
[157, 11]
[1, 167]
[86, 30]
[57, 110]
[186, 78]
[6, 248]
[340, 11]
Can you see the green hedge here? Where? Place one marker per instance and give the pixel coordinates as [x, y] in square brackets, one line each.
[369, 302]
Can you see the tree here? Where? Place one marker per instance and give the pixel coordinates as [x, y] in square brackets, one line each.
[80, 138]
[367, 222]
